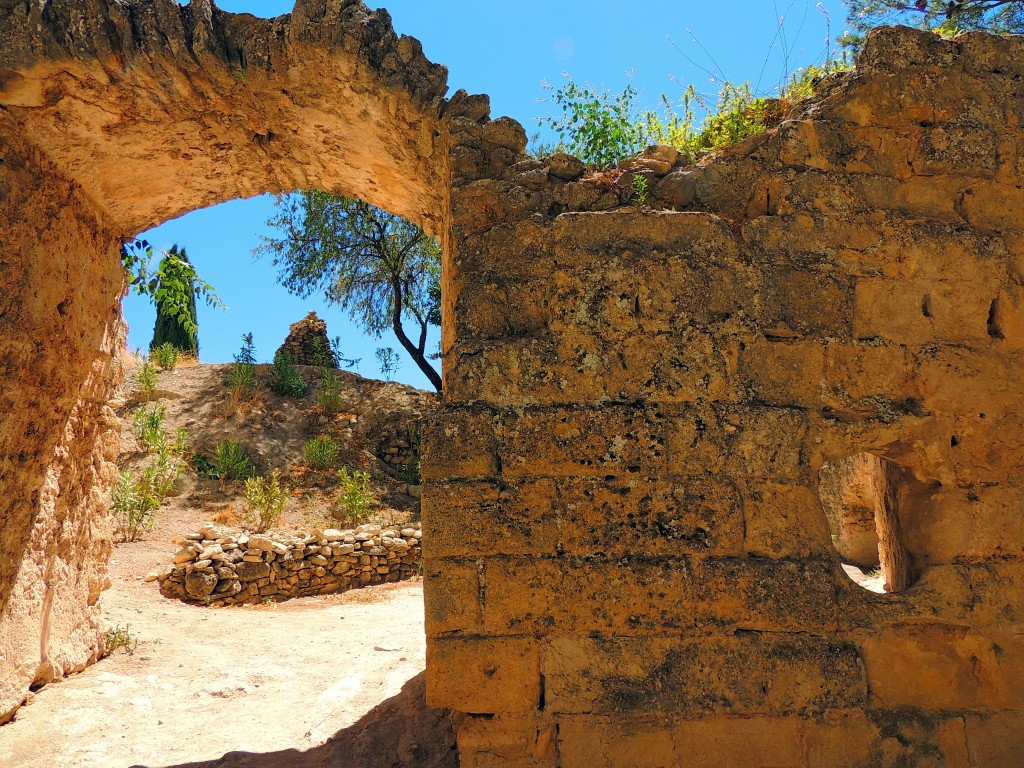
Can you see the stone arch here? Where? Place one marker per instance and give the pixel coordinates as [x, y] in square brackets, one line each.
[116, 116]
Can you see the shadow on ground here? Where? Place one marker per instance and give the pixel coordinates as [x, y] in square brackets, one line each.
[403, 732]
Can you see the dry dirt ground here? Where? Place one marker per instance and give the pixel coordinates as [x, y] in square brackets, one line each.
[290, 684]
[202, 683]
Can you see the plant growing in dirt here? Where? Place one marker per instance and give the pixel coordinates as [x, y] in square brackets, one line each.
[148, 423]
[356, 499]
[242, 379]
[146, 379]
[120, 637]
[321, 452]
[641, 191]
[329, 392]
[232, 462]
[387, 358]
[134, 501]
[602, 127]
[265, 498]
[411, 471]
[165, 356]
[137, 495]
[285, 377]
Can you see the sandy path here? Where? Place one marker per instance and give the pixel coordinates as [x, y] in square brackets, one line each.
[205, 682]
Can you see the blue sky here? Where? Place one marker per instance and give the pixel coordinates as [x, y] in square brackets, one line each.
[504, 50]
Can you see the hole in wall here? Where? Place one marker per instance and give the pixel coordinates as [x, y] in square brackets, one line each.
[926, 306]
[865, 498]
[995, 323]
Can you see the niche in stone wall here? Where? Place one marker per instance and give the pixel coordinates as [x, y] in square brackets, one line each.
[867, 500]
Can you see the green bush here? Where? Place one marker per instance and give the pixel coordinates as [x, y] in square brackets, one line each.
[120, 637]
[134, 501]
[321, 452]
[266, 499]
[411, 472]
[597, 126]
[356, 499]
[137, 496]
[285, 378]
[232, 462]
[242, 374]
[149, 427]
[329, 393]
[165, 356]
[602, 128]
[146, 380]
[242, 380]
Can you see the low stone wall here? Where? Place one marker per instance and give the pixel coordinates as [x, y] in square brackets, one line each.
[221, 567]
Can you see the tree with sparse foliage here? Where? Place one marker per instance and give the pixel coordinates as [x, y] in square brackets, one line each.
[947, 17]
[382, 268]
[179, 330]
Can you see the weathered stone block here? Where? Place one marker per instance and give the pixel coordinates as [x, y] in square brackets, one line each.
[476, 518]
[601, 742]
[784, 521]
[841, 740]
[996, 740]
[200, 584]
[803, 303]
[582, 441]
[459, 444]
[755, 742]
[937, 668]
[595, 593]
[783, 372]
[672, 516]
[484, 675]
[748, 674]
[451, 597]
[252, 571]
[967, 525]
[527, 741]
[921, 311]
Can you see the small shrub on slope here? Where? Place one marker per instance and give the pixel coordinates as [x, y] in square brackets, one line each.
[265, 498]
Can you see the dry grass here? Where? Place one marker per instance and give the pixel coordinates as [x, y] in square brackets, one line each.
[227, 516]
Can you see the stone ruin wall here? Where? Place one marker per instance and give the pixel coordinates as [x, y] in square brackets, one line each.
[219, 567]
[116, 116]
[638, 405]
[60, 329]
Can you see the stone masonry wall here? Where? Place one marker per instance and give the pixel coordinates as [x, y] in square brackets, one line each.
[218, 567]
[638, 403]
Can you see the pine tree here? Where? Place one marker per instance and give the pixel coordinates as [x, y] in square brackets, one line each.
[175, 280]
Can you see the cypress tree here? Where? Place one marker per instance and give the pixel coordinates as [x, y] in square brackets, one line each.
[168, 328]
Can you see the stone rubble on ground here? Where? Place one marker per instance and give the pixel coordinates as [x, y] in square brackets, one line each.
[221, 566]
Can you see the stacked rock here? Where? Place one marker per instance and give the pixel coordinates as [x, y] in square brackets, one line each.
[307, 343]
[219, 567]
